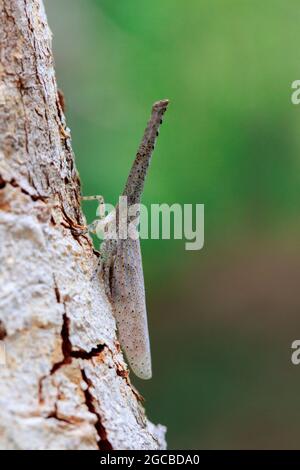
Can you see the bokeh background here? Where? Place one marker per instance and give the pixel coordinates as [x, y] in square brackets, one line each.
[222, 320]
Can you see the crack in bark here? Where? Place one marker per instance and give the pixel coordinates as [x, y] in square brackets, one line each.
[67, 351]
[13, 182]
[104, 443]
[68, 355]
[8, 15]
[25, 117]
[66, 346]
[2, 183]
[54, 414]
[71, 225]
[3, 332]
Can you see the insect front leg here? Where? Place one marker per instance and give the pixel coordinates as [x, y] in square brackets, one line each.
[99, 226]
[101, 204]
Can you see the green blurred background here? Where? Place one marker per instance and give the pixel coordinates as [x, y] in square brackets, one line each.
[222, 319]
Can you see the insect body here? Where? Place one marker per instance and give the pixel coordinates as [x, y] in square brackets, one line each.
[121, 263]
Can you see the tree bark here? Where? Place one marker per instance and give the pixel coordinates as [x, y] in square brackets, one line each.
[65, 384]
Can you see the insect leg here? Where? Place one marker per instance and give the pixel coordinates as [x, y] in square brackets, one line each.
[101, 204]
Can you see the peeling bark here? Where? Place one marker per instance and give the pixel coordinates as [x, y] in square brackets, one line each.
[65, 384]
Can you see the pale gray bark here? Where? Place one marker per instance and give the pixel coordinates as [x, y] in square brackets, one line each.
[65, 384]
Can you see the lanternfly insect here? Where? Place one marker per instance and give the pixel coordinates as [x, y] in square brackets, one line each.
[120, 262]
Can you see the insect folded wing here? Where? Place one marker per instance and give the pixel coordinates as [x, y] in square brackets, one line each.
[128, 295]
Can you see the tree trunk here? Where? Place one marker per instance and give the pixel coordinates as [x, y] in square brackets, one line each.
[64, 384]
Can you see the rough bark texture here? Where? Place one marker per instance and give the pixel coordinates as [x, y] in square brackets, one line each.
[65, 384]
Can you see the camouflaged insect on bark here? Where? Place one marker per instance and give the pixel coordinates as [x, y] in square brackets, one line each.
[121, 262]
